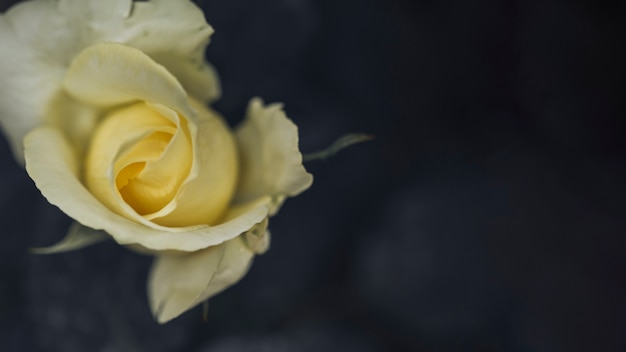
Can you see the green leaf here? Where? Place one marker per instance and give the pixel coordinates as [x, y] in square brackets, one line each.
[78, 236]
[341, 143]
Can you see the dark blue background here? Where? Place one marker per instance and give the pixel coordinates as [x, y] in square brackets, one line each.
[488, 214]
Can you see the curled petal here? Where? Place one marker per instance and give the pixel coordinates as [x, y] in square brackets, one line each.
[208, 190]
[110, 74]
[28, 84]
[258, 238]
[173, 33]
[206, 273]
[51, 163]
[137, 158]
[176, 35]
[271, 163]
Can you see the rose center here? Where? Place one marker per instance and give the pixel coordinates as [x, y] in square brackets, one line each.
[143, 155]
[141, 190]
[147, 162]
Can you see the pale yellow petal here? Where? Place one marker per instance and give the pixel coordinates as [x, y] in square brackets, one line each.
[128, 137]
[204, 197]
[159, 169]
[110, 74]
[99, 13]
[51, 163]
[271, 163]
[173, 33]
[198, 77]
[178, 283]
[27, 85]
[258, 238]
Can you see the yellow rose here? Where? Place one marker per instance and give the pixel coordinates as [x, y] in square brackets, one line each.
[108, 98]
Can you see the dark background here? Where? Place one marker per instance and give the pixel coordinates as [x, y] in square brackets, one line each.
[488, 214]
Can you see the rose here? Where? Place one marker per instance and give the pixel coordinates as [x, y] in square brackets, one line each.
[109, 99]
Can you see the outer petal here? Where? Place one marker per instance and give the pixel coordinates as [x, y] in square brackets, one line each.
[51, 163]
[258, 238]
[175, 34]
[271, 163]
[27, 83]
[38, 39]
[178, 282]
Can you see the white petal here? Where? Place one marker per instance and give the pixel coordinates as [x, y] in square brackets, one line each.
[177, 282]
[51, 163]
[271, 163]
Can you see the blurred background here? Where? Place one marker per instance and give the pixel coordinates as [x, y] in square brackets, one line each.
[488, 214]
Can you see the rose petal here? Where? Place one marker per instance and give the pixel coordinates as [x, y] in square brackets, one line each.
[175, 34]
[206, 273]
[198, 77]
[38, 40]
[207, 193]
[258, 238]
[271, 163]
[110, 74]
[27, 83]
[51, 163]
[118, 143]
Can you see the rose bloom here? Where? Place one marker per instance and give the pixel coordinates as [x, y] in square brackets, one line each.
[106, 104]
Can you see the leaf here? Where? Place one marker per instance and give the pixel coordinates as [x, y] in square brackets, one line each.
[78, 236]
[341, 143]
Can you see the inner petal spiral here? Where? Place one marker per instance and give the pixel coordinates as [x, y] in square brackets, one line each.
[151, 164]
[142, 190]
[146, 155]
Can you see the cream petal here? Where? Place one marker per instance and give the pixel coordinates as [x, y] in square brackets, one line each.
[51, 163]
[206, 273]
[199, 78]
[169, 292]
[173, 33]
[103, 12]
[117, 144]
[271, 163]
[27, 84]
[258, 238]
[39, 39]
[176, 35]
[206, 194]
[159, 192]
[110, 74]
